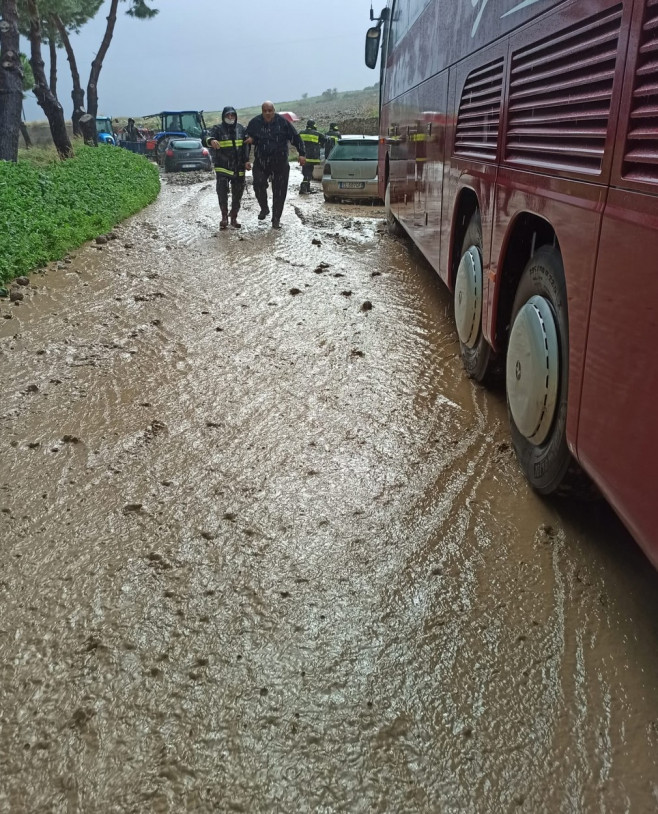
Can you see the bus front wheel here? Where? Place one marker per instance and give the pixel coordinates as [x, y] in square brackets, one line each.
[475, 351]
[392, 223]
[537, 372]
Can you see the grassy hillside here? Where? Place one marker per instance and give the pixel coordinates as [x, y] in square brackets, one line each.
[354, 111]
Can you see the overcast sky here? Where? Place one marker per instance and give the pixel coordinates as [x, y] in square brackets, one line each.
[204, 54]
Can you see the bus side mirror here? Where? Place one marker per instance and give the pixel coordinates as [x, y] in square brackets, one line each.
[372, 46]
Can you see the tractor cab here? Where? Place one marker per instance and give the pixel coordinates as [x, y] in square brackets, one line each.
[104, 130]
[175, 124]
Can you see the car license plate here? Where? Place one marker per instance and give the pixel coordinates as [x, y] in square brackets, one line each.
[351, 184]
[188, 166]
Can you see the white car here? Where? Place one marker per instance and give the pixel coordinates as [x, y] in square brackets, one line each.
[351, 169]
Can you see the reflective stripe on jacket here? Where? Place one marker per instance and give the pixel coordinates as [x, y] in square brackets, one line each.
[313, 140]
[233, 153]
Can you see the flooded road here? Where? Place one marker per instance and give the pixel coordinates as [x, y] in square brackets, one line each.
[266, 549]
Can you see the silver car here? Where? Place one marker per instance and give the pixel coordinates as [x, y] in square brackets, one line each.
[351, 170]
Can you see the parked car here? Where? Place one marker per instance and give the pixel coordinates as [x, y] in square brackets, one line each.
[351, 170]
[186, 154]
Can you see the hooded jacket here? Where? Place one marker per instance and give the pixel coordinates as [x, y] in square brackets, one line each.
[233, 153]
[313, 139]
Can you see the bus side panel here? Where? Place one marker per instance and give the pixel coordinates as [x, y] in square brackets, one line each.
[621, 380]
[401, 158]
[429, 161]
[574, 210]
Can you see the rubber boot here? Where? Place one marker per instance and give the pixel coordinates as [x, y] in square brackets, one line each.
[223, 224]
[234, 220]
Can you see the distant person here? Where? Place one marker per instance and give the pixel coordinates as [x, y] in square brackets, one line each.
[230, 155]
[270, 134]
[131, 132]
[331, 139]
[313, 140]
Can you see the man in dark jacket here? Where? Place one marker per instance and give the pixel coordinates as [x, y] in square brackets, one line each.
[313, 141]
[270, 135]
[331, 139]
[230, 155]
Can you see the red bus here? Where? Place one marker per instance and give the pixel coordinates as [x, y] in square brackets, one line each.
[519, 151]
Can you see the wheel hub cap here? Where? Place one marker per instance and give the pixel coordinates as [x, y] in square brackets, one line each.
[533, 369]
[468, 296]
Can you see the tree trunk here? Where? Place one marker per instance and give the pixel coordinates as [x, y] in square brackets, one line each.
[52, 48]
[88, 129]
[26, 135]
[97, 64]
[47, 101]
[11, 82]
[77, 94]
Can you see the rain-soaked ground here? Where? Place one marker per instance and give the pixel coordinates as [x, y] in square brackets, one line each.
[264, 548]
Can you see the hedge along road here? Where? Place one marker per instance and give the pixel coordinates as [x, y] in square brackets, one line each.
[265, 548]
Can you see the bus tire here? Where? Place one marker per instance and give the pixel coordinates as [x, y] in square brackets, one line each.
[537, 375]
[393, 225]
[476, 356]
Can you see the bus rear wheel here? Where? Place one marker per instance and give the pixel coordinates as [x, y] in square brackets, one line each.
[537, 373]
[475, 351]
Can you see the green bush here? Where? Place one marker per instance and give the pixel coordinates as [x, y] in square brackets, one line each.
[47, 209]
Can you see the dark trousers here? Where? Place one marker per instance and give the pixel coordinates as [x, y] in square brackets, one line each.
[307, 171]
[237, 188]
[276, 169]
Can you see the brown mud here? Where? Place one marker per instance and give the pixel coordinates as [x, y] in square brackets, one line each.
[264, 548]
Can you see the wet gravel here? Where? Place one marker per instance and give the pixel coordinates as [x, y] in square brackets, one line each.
[265, 549]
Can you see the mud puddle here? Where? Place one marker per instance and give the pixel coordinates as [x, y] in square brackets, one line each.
[264, 547]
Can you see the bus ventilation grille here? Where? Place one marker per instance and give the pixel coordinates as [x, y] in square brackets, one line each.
[560, 94]
[479, 113]
[641, 154]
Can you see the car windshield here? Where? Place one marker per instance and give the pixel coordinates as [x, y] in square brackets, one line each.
[188, 144]
[355, 151]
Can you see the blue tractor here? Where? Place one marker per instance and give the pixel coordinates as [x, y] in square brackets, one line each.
[104, 130]
[175, 124]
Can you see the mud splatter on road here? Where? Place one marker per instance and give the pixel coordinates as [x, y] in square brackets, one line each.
[264, 547]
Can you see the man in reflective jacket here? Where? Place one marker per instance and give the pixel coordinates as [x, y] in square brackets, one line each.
[331, 139]
[313, 141]
[230, 155]
[270, 135]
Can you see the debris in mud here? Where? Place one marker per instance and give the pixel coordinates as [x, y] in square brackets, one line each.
[295, 291]
[232, 516]
[156, 560]
[545, 533]
[367, 306]
[154, 429]
[22, 281]
[316, 241]
[346, 293]
[16, 296]
[4, 292]
[70, 439]
[128, 245]
[375, 274]
[132, 507]
[101, 240]
[32, 388]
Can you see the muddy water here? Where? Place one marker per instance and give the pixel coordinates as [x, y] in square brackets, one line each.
[265, 549]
